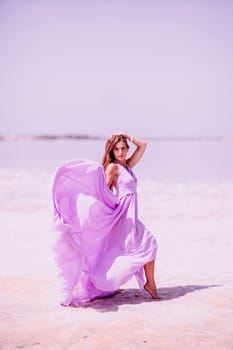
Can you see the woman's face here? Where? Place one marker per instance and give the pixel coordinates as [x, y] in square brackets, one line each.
[120, 151]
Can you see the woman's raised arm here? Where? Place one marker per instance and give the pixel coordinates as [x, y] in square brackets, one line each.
[139, 151]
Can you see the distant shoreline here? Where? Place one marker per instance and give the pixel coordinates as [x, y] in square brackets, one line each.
[79, 137]
[13, 138]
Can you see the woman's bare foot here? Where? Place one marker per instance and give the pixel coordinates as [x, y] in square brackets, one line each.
[152, 291]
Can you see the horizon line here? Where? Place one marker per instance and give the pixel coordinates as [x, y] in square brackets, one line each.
[77, 137]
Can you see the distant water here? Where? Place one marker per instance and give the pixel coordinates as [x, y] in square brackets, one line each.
[164, 160]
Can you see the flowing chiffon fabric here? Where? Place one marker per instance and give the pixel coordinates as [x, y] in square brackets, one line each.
[101, 243]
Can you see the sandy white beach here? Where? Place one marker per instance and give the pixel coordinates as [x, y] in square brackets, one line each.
[193, 224]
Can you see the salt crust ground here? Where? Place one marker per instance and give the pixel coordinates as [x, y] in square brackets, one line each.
[193, 224]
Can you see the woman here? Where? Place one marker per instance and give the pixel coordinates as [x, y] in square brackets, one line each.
[102, 243]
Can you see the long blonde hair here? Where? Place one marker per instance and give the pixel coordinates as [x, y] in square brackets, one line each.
[109, 146]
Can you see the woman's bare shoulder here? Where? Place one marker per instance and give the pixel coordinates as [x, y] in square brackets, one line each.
[111, 168]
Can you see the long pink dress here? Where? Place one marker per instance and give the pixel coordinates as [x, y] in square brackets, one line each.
[101, 242]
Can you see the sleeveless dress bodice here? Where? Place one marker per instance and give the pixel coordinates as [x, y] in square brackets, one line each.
[126, 182]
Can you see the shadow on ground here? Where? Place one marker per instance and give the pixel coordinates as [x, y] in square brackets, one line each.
[136, 296]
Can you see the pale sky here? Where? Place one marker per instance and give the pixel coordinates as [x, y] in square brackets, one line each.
[154, 68]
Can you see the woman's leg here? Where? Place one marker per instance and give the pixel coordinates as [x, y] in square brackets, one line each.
[150, 285]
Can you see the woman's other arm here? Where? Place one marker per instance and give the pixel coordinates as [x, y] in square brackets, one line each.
[111, 173]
